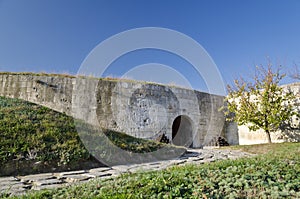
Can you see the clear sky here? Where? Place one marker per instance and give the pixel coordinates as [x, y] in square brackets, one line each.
[57, 35]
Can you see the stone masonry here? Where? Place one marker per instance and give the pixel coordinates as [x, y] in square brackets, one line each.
[144, 110]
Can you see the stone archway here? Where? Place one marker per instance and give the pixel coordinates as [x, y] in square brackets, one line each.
[182, 131]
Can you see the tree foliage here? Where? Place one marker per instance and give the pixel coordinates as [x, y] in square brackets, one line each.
[261, 103]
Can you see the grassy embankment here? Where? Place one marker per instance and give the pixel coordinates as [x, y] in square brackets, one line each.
[36, 139]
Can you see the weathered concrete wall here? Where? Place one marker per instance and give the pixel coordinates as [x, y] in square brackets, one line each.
[142, 110]
[247, 137]
[54, 92]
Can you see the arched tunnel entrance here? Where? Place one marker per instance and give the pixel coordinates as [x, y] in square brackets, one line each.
[182, 131]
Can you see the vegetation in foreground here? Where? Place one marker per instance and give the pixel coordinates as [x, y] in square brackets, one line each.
[272, 174]
[31, 134]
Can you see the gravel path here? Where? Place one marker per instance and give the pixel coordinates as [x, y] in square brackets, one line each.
[16, 185]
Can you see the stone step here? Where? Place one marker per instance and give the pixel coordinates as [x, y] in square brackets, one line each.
[13, 182]
[49, 186]
[101, 169]
[14, 188]
[35, 177]
[61, 174]
[100, 174]
[77, 178]
[47, 182]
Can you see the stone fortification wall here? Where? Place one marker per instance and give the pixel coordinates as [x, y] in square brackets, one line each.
[145, 110]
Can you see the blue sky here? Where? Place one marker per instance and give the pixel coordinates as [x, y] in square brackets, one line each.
[57, 35]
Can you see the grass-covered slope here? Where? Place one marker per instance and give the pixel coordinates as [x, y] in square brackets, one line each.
[273, 174]
[37, 139]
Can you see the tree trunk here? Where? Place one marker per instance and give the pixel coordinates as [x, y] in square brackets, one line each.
[268, 136]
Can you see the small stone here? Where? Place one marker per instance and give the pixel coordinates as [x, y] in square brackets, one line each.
[121, 168]
[145, 168]
[155, 163]
[99, 174]
[50, 186]
[101, 169]
[113, 172]
[183, 158]
[180, 162]
[69, 173]
[47, 182]
[77, 178]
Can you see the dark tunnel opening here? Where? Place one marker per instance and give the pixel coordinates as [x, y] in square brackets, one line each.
[182, 131]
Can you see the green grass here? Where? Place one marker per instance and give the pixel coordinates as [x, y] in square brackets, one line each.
[264, 148]
[275, 174]
[30, 133]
